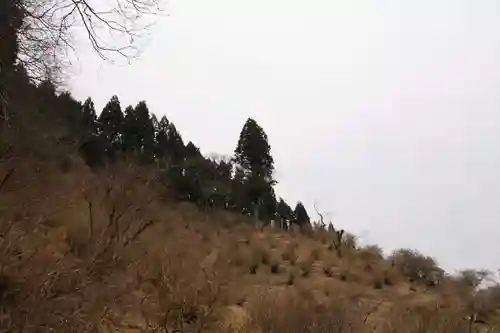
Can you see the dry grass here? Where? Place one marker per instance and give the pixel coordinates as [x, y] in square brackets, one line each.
[85, 252]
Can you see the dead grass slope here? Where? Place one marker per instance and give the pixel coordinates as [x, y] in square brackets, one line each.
[102, 252]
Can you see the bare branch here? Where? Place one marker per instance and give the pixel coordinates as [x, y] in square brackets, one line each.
[6, 177]
[139, 231]
[110, 26]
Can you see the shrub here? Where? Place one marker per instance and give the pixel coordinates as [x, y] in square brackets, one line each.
[417, 267]
[292, 312]
[350, 240]
[371, 253]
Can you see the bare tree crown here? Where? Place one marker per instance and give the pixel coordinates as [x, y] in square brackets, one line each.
[50, 26]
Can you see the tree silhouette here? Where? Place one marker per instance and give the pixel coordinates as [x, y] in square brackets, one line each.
[138, 133]
[253, 152]
[301, 217]
[256, 165]
[285, 213]
[10, 24]
[89, 117]
[110, 126]
[161, 138]
[47, 27]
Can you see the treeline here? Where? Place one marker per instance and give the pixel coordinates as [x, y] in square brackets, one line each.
[243, 183]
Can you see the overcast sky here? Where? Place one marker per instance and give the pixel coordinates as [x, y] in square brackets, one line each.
[387, 112]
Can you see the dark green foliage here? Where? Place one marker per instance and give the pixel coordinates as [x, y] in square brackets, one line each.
[110, 126]
[93, 152]
[174, 145]
[89, 117]
[138, 132]
[253, 151]
[285, 213]
[254, 178]
[46, 98]
[70, 108]
[237, 201]
[128, 129]
[191, 177]
[301, 217]
[11, 17]
[221, 184]
[161, 137]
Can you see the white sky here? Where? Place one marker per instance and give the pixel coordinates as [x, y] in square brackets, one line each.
[386, 112]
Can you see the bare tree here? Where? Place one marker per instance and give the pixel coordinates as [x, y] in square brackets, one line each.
[51, 28]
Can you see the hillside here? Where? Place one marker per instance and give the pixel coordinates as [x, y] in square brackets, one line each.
[101, 240]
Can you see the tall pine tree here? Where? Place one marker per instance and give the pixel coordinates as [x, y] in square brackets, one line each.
[130, 140]
[174, 145]
[285, 213]
[89, 117]
[253, 152]
[138, 131]
[301, 217]
[161, 138]
[253, 156]
[110, 126]
[145, 130]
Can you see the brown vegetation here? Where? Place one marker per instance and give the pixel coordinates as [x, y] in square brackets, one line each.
[82, 251]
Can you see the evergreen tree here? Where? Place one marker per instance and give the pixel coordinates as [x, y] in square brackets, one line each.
[11, 19]
[192, 151]
[285, 213]
[161, 138]
[221, 183]
[130, 139]
[195, 176]
[138, 131]
[156, 127]
[237, 200]
[174, 145]
[268, 205]
[89, 117]
[110, 126]
[301, 217]
[253, 152]
[46, 97]
[253, 156]
[145, 130]
[70, 108]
